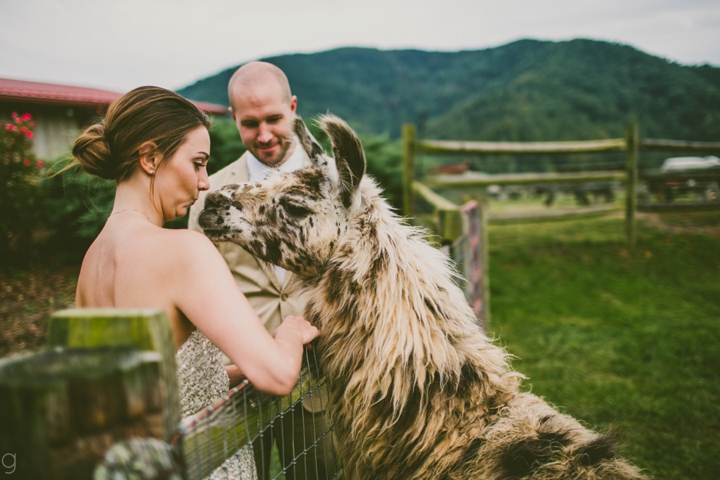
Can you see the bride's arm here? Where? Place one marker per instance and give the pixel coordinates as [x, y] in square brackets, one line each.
[207, 294]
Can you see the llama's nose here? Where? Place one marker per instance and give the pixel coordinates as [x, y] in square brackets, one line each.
[215, 200]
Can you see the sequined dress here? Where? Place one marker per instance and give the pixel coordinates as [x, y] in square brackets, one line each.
[202, 380]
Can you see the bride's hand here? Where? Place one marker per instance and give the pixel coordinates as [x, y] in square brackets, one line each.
[299, 325]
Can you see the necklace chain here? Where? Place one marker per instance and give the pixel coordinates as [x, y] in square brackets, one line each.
[131, 210]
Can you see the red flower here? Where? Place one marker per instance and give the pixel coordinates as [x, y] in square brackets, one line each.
[26, 116]
[26, 162]
[32, 124]
[18, 120]
[40, 164]
[24, 129]
[10, 127]
[14, 115]
[29, 134]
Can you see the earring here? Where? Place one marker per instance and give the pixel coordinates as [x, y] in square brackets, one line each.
[152, 172]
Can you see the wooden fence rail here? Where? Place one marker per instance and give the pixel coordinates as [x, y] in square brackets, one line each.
[514, 148]
[448, 222]
[632, 144]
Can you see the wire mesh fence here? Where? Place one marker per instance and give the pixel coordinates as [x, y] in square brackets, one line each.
[297, 425]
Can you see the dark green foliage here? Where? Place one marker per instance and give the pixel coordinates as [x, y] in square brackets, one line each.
[225, 144]
[586, 89]
[384, 164]
[616, 336]
[21, 191]
[525, 90]
[77, 206]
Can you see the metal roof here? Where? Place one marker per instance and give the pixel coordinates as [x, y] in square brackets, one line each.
[36, 92]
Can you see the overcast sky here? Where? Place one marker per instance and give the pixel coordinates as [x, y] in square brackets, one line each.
[122, 44]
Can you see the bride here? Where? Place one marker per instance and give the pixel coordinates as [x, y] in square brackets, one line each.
[155, 145]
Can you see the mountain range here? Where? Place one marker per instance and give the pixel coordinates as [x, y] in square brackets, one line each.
[528, 90]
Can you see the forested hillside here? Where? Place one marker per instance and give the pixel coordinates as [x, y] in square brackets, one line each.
[525, 90]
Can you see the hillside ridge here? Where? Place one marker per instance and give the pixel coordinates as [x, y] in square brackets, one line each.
[521, 91]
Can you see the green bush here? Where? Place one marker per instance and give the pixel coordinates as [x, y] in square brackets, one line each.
[77, 206]
[225, 144]
[21, 191]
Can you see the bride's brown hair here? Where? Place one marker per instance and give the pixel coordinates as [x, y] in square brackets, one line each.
[110, 149]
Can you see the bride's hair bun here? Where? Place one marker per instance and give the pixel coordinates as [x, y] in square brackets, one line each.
[150, 116]
[93, 152]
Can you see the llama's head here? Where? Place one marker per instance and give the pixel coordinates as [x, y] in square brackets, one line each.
[294, 220]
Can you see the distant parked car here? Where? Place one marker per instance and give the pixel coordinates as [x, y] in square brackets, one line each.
[679, 164]
[686, 175]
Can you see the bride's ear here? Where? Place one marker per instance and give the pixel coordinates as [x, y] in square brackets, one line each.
[149, 157]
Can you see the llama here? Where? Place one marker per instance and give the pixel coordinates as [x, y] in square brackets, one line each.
[417, 390]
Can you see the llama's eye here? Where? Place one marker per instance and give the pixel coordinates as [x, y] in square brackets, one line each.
[295, 209]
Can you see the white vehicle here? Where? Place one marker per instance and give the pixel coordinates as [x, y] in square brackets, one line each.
[676, 164]
[680, 176]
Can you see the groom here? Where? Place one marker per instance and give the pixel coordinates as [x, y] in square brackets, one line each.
[263, 109]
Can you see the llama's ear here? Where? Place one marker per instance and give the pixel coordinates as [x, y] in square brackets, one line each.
[308, 142]
[349, 155]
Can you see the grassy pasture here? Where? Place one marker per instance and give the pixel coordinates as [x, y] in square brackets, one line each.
[619, 337]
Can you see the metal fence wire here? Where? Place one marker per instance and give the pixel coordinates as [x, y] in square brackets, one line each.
[297, 423]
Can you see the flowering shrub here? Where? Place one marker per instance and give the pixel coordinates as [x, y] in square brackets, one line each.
[20, 187]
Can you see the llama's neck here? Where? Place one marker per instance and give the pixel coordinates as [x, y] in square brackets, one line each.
[399, 341]
[388, 302]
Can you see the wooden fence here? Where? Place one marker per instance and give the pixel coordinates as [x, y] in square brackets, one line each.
[632, 144]
[448, 221]
[108, 376]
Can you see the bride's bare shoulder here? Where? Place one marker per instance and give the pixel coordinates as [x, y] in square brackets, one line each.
[191, 258]
[187, 241]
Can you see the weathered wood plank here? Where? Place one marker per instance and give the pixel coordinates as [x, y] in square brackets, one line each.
[435, 199]
[61, 409]
[550, 216]
[660, 145]
[525, 148]
[449, 220]
[478, 180]
[145, 329]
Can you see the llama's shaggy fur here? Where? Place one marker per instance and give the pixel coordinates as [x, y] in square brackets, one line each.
[417, 389]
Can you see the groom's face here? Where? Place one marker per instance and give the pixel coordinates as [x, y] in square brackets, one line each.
[263, 115]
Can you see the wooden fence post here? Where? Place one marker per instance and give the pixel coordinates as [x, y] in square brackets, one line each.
[485, 259]
[408, 139]
[62, 409]
[631, 170]
[141, 328]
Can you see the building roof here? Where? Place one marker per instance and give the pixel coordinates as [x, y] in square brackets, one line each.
[36, 92]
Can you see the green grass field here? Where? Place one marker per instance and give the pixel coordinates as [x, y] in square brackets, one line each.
[619, 337]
